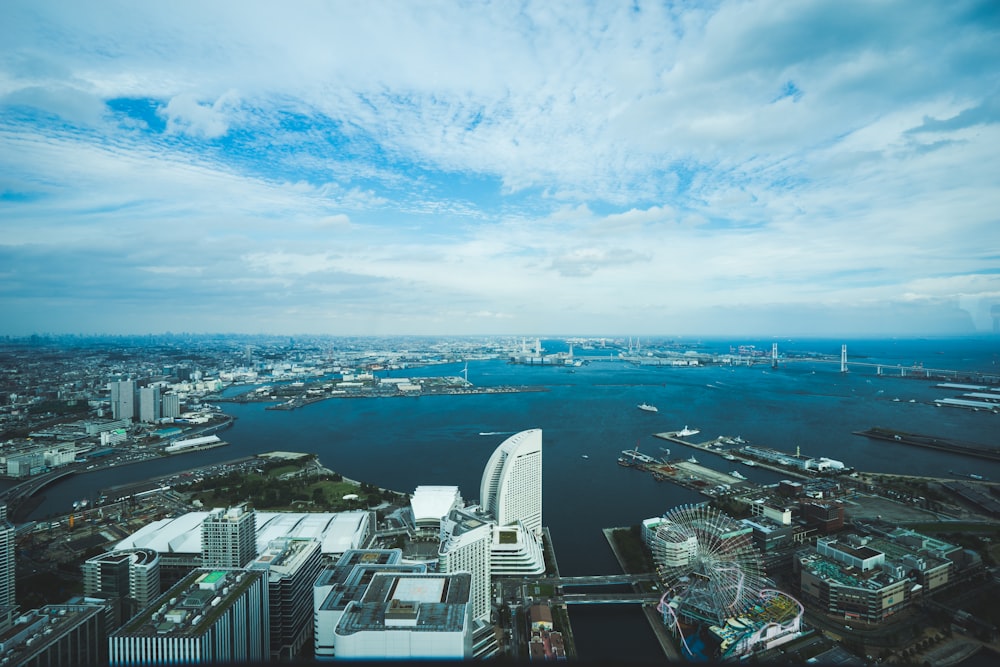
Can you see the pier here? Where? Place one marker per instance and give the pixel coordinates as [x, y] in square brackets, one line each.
[930, 442]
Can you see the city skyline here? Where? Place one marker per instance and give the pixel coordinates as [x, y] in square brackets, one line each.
[434, 168]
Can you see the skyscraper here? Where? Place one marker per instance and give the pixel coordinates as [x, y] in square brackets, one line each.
[211, 616]
[123, 399]
[512, 481]
[8, 599]
[131, 576]
[149, 404]
[465, 547]
[229, 537]
[292, 566]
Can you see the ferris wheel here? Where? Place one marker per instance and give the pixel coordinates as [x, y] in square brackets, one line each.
[708, 565]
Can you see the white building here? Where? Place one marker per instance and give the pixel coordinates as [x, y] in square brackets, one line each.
[516, 552]
[466, 541]
[409, 616]
[131, 576]
[211, 616]
[228, 537]
[8, 600]
[511, 489]
[149, 404]
[430, 504]
[292, 566]
[123, 399]
[346, 582]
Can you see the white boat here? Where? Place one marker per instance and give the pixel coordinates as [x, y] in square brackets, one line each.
[729, 457]
[737, 475]
[585, 456]
[692, 460]
[687, 431]
[647, 407]
[749, 463]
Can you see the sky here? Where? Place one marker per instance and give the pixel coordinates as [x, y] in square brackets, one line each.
[336, 167]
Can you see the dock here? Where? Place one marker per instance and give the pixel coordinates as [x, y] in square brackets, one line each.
[931, 442]
[731, 449]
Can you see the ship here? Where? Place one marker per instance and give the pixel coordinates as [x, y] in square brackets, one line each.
[647, 407]
[692, 460]
[687, 431]
[749, 463]
[737, 475]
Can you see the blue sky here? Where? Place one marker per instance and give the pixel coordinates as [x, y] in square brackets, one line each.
[678, 168]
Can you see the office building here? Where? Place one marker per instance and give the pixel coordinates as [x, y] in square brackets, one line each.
[292, 566]
[130, 577]
[852, 581]
[511, 489]
[409, 616]
[229, 537]
[149, 404]
[58, 635]
[346, 582]
[179, 540]
[170, 405]
[466, 540]
[8, 597]
[211, 616]
[123, 399]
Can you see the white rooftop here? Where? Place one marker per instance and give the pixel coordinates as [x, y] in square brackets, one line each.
[337, 531]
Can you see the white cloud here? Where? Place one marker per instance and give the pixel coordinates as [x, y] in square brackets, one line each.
[462, 159]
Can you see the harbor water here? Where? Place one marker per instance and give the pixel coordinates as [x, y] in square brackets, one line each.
[591, 411]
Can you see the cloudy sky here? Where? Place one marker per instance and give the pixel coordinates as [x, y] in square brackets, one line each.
[768, 167]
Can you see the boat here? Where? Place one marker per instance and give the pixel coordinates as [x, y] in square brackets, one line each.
[687, 431]
[737, 474]
[646, 407]
[749, 463]
[730, 457]
[584, 456]
[692, 460]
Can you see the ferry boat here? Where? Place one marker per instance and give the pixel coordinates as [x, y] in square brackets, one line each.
[646, 407]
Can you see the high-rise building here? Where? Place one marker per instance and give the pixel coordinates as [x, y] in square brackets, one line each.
[229, 537]
[511, 489]
[171, 405]
[8, 598]
[149, 404]
[129, 576]
[466, 539]
[210, 616]
[123, 399]
[292, 566]
[58, 635]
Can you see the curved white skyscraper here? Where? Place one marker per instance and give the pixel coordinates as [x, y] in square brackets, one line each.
[512, 482]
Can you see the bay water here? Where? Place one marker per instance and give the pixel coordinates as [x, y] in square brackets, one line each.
[591, 411]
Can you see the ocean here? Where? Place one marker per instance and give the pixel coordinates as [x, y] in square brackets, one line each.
[400, 443]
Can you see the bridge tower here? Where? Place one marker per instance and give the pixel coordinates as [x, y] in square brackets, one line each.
[774, 355]
[843, 358]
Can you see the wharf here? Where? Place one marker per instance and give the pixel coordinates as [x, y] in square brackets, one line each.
[930, 442]
[730, 448]
[693, 476]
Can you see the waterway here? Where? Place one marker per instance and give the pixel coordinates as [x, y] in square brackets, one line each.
[400, 443]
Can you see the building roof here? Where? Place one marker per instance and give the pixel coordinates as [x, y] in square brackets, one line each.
[434, 502]
[337, 531]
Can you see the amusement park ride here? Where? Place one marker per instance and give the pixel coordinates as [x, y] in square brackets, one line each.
[713, 577]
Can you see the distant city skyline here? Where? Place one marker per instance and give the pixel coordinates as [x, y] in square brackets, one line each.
[750, 167]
